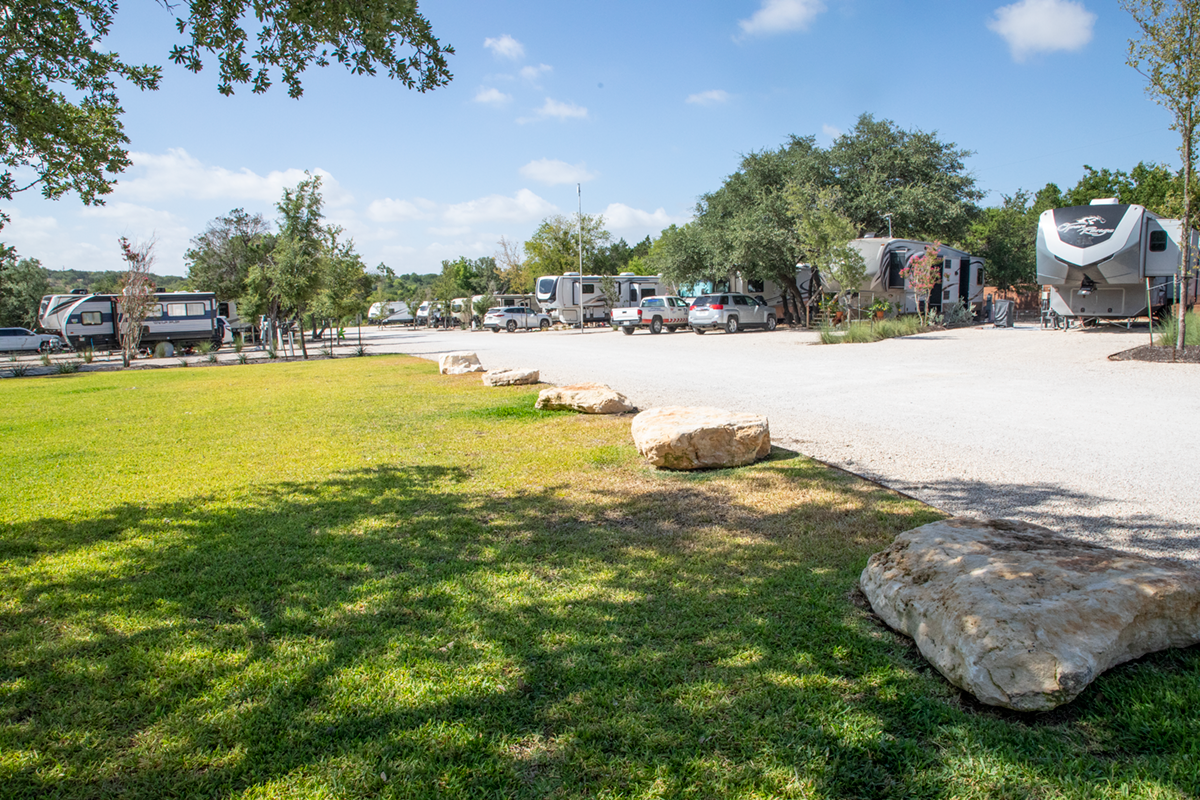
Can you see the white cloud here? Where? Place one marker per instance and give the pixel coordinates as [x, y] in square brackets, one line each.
[533, 73]
[26, 231]
[1043, 26]
[557, 110]
[460, 231]
[619, 216]
[389, 210]
[831, 131]
[711, 97]
[524, 206]
[505, 47]
[552, 172]
[780, 16]
[492, 96]
[177, 174]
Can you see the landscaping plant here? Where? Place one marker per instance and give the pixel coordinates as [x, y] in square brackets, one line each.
[923, 272]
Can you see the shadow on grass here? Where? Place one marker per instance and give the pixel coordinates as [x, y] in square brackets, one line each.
[396, 632]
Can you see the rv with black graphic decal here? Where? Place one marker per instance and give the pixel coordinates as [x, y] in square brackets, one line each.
[184, 319]
[1110, 260]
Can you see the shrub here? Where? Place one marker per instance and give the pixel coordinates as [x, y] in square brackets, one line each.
[160, 350]
[204, 348]
[830, 336]
[360, 351]
[19, 371]
[271, 352]
[239, 342]
[88, 354]
[1168, 330]
[212, 358]
[183, 362]
[67, 367]
[45, 359]
[242, 358]
[958, 313]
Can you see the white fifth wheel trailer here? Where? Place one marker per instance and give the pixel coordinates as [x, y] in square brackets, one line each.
[90, 320]
[886, 258]
[1110, 260]
[562, 296]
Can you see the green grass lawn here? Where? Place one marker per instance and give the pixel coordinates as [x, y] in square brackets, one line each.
[357, 578]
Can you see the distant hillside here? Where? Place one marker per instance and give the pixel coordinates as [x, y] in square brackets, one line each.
[63, 281]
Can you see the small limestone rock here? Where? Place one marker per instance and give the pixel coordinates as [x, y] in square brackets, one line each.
[677, 437]
[459, 363]
[511, 377]
[1023, 618]
[588, 398]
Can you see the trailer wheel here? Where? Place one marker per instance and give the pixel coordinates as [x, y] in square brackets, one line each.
[511, 326]
[731, 325]
[656, 325]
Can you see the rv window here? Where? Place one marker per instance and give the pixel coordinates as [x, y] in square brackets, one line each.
[633, 294]
[155, 311]
[176, 309]
[1158, 241]
[589, 288]
[196, 309]
[649, 292]
[90, 318]
[756, 286]
[223, 309]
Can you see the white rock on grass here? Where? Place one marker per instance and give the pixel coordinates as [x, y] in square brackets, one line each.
[459, 363]
[1023, 618]
[587, 398]
[511, 377]
[679, 437]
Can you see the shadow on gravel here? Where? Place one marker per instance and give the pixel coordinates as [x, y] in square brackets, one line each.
[1067, 511]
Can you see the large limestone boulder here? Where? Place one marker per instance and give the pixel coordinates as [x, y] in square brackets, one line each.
[511, 377]
[1023, 618]
[459, 363]
[588, 398]
[677, 437]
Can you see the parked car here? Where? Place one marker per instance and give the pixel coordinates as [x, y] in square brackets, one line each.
[654, 313]
[512, 318]
[14, 339]
[731, 311]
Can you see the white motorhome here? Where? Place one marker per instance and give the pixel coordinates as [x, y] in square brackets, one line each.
[886, 258]
[562, 296]
[90, 320]
[1110, 260]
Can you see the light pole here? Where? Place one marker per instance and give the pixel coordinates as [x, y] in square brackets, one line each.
[579, 192]
[888, 217]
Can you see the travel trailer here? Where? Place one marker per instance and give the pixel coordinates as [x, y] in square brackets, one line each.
[561, 296]
[184, 319]
[1110, 260]
[962, 275]
[390, 313]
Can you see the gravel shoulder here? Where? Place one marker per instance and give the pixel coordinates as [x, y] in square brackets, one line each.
[1022, 423]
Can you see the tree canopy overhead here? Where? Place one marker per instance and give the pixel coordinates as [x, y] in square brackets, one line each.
[59, 109]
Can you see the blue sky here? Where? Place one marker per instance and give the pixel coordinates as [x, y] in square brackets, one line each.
[648, 105]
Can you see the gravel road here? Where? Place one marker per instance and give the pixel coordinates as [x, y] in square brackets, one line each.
[1019, 423]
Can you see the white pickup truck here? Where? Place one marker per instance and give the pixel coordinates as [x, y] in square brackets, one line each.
[654, 313]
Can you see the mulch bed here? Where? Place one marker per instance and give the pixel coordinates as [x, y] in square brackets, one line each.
[1162, 355]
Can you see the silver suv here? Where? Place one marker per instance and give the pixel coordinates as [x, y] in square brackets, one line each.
[730, 311]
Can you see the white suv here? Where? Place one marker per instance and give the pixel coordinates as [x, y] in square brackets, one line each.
[730, 311]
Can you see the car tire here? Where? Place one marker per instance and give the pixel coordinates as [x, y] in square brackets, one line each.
[731, 325]
[496, 329]
[771, 322]
[511, 326]
[699, 331]
[544, 325]
[656, 325]
[627, 331]
[672, 328]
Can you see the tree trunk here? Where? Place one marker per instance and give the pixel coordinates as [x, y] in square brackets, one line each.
[1189, 123]
[300, 326]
